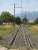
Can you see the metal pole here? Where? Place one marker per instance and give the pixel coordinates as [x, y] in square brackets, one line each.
[14, 9]
[21, 3]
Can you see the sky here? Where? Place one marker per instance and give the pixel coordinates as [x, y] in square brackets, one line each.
[27, 5]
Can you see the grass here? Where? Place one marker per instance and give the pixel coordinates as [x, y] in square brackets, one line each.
[33, 29]
[5, 29]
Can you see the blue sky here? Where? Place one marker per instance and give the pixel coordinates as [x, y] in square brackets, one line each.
[28, 5]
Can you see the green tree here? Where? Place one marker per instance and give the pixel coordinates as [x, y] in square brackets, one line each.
[18, 20]
[7, 17]
[25, 20]
[36, 21]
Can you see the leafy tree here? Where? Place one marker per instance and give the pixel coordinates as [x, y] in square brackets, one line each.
[7, 17]
[25, 20]
[36, 21]
[18, 20]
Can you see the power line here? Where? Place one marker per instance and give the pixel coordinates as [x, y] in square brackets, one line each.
[17, 7]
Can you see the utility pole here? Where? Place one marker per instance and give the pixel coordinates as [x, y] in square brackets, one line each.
[17, 7]
[21, 3]
[14, 9]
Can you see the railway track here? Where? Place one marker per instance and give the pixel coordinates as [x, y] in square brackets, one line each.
[21, 37]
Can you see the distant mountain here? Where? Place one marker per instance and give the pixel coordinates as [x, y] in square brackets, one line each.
[30, 15]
